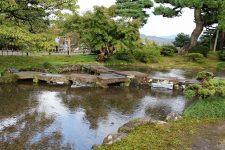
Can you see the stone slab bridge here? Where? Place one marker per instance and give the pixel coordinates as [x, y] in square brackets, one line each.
[98, 76]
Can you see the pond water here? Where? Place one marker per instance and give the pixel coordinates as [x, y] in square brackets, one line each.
[170, 73]
[37, 117]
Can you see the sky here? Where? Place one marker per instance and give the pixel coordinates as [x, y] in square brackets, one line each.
[157, 25]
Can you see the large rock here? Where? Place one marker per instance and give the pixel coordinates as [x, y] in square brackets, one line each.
[126, 128]
[114, 137]
[173, 116]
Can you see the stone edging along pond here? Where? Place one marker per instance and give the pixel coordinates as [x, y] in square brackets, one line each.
[96, 76]
[125, 129]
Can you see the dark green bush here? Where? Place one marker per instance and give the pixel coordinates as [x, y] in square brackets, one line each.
[220, 66]
[195, 57]
[171, 47]
[204, 50]
[149, 53]
[221, 56]
[208, 88]
[204, 75]
[125, 56]
[167, 51]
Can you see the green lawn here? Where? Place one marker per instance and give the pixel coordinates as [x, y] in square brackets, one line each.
[164, 62]
[20, 62]
[211, 107]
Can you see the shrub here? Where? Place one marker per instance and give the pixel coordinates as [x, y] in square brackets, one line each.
[150, 52]
[204, 75]
[206, 89]
[167, 51]
[125, 56]
[204, 50]
[171, 47]
[222, 55]
[220, 66]
[195, 57]
[49, 67]
[7, 77]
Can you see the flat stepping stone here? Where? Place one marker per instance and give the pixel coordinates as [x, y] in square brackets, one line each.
[86, 78]
[134, 74]
[54, 78]
[110, 78]
[25, 75]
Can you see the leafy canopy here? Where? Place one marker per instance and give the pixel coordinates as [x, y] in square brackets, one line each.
[213, 11]
[99, 30]
[134, 9]
[25, 24]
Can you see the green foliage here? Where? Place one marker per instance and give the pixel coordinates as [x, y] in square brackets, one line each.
[212, 11]
[7, 77]
[99, 31]
[204, 75]
[181, 40]
[49, 67]
[136, 10]
[171, 47]
[208, 88]
[220, 66]
[167, 51]
[195, 57]
[124, 55]
[222, 55]
[149, 53]
[211, 107]
[190, 94]
[204, 50]
[25, 25]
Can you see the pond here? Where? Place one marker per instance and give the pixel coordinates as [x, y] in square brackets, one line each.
[37, 117]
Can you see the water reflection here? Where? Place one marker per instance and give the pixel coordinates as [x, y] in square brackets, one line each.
[170, 73]
[60, 117]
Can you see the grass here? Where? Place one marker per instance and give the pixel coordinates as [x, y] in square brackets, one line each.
[175, 135]
[211, 107]
[169, 62]
[23, 62]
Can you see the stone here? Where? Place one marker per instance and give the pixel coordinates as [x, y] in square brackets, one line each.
[173, 116]
[54, 78]
[113, 137]
[126, 128]
[26, 75]
[112, 78]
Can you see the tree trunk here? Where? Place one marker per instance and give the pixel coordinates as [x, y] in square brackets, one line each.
[69, 47]
[197, 31]
[216, 40]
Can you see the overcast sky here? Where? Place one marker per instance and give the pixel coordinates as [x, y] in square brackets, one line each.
[157, 25]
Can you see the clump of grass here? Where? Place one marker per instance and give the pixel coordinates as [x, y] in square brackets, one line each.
[211, 107]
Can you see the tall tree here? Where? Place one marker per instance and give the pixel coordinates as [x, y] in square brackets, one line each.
[103, 34]
[27, 23]
[134, 9]
[206, 13]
